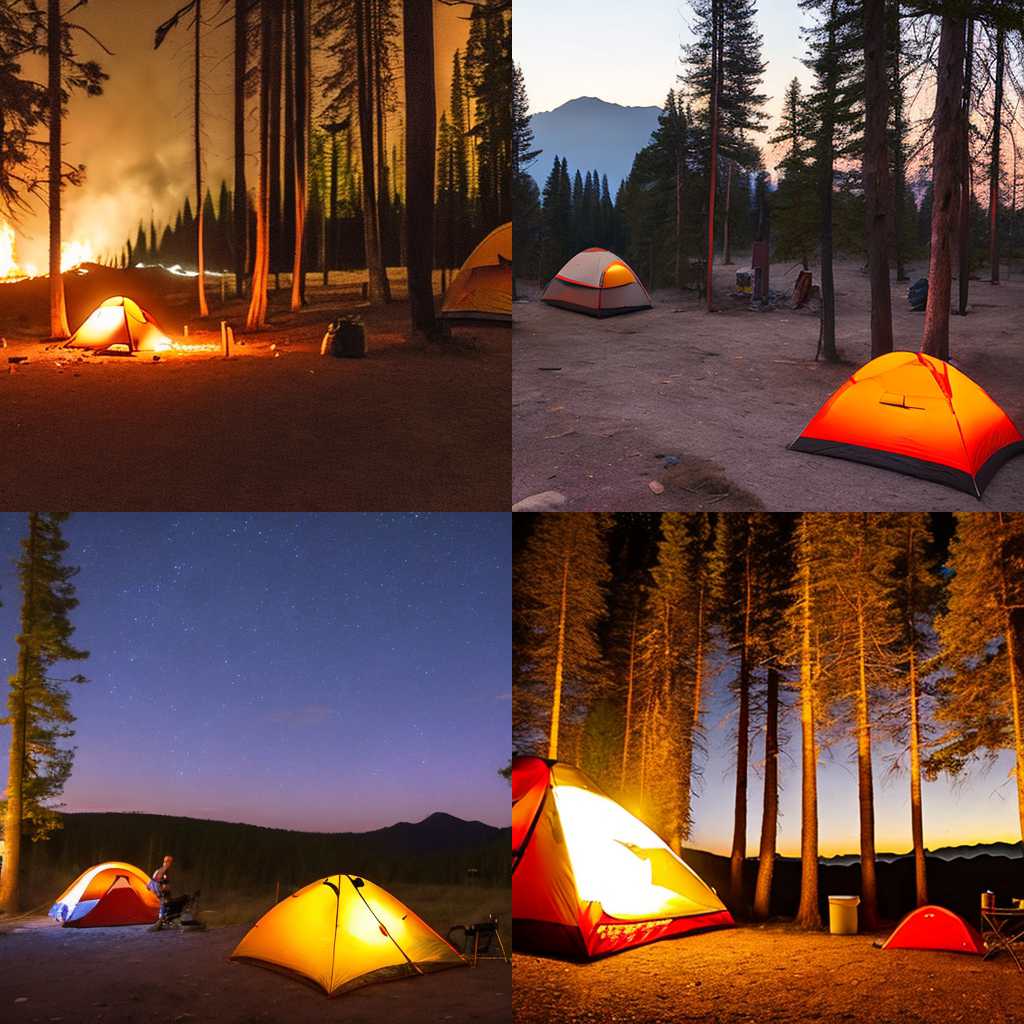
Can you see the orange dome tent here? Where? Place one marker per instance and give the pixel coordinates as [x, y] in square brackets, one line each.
[598, 283]
[919, 415]
[343, 932]
[934, 927]
[120, 326]
[482, 289]
[112, 893]
[588, 878]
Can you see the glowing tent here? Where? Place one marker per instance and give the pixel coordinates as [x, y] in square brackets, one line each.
[119, 325]
[598, 283]
[112, 893]
[912, 413]
[588, 878]
[935, 928]
[482, 289]
[342, 932]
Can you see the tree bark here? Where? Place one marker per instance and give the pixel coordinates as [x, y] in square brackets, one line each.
[770, 802]
[916, 824]
[630, 676]
[274, 234]
[946, 171]
[727, 251]
[899, 153]
[200, 259]
[716, 6]
[964, 233]
[865, 784]
[301, 120]
[826, 159]
[241, 203]
[877, 187]
[1014, 631]
[58, 307]
[993, 189]
[808, 914]
[556, 695]
[739, 831]
[420, 134]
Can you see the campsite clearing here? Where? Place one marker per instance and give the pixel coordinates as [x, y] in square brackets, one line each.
[277, 427]
[774, 973]
[703, 405]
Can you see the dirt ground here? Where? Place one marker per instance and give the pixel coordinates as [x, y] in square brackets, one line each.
[276, 427]
[128, 975]
[773, 973]
[704, 405]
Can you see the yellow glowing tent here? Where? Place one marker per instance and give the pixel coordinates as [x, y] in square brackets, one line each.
[342, 932]
[482, 289]
[119, 325]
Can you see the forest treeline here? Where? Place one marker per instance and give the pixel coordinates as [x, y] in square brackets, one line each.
[220, 856]
[849, 633]
[857, 158]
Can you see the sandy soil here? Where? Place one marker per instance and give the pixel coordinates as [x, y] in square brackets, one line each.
[123, 975]
[769, 974]
[276, 427]
[705, 405]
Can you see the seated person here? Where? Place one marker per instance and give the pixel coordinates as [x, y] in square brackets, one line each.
[160, 884]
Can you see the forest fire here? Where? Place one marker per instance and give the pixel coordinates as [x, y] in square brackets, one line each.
[72, 254]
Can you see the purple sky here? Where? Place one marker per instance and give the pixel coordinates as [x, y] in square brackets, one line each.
[324, 672]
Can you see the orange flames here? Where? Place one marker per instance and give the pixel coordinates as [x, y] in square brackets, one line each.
[72, 254]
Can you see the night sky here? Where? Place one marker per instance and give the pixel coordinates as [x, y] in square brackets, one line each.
[327, 672]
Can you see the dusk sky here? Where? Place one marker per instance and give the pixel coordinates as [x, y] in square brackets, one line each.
[331, 672]
[136, 139]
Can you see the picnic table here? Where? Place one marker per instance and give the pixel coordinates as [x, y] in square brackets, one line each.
[1002, 928]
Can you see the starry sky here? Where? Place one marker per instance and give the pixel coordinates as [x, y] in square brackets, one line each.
[330, 672]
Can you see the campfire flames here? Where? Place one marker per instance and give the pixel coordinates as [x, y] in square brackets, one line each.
[72, 254]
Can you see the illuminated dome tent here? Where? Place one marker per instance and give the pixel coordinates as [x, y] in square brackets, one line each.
[598, 283]
[107, 894]
[918, 415]
[589, 878]
[343, 932]
[120, 326]
[932, 927]
[482, 289]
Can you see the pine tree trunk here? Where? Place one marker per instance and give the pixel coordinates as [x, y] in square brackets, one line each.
[946, 169]
[770, 802]
[200, 260]
[420, 133]
[728, 205]
[383, 192]
[257, 315]
[808, 914]
[556, 695]
[865, 785]
[671, 808]
[993, 189]
[899, 153]
[690, 732]
[877, 187]
[58, 308]
[916, 824]
[826, 147]
[679, 217]
[378, 287]
[964, 231]
[300, 144]
[716, 6]
[241, 213]
[1014, 629]
[18, 711]
[739, 831]
[630, 676]
[275, 146]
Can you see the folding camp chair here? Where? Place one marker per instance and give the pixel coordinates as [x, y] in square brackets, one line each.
[1002, 928]
[480, 936]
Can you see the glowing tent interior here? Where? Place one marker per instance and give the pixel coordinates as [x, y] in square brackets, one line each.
[120, 326]
[589, 878]
[932, 927]
[107, 894]
[598, 283]
[482, 289]
[343, 932]
[910, 412]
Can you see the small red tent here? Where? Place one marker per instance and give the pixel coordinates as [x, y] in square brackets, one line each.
[935, 928]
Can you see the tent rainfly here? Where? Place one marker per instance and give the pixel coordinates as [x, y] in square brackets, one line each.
[482, 289]
[588, 878]
[107, 894]
[598, 283]
[932, 927]
[918, 415]
[120, 326]
[343, 932]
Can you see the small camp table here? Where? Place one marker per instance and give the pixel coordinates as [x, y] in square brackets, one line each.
[1002, 928]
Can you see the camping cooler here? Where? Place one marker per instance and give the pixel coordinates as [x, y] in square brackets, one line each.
[842, 914]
